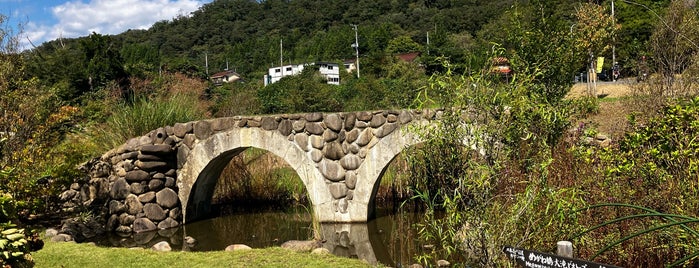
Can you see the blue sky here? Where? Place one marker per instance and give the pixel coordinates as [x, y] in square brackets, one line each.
[45, 20]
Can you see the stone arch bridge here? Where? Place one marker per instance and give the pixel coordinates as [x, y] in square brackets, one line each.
[167, 177]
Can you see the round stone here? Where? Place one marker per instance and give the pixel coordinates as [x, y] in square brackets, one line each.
[167, 198]
[331, 170]
[143, 225]
[154, 212]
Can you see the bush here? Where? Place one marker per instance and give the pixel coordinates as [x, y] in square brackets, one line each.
[16, 245]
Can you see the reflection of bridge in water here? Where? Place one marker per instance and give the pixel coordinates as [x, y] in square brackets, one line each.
[167, 177]
[388, 240]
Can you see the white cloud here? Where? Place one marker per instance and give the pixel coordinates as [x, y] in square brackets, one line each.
[76, 18]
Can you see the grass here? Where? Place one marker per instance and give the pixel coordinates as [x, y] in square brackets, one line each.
[144, 115]
[71, 254]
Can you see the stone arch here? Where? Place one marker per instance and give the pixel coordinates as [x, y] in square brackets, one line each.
[207, 158]
[377, 162]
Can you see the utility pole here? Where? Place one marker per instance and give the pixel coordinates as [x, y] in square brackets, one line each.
[613, 37]
[428, 43]
[356, 47]
[281, 55]
[206, 63]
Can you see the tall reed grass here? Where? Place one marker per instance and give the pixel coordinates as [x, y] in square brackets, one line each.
[142, 116]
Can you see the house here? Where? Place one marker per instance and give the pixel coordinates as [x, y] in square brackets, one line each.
[350, 65]
[276, 73]
[331, 72]
[408, 57]
[226, 76]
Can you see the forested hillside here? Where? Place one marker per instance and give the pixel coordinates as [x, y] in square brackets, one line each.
[245, 36]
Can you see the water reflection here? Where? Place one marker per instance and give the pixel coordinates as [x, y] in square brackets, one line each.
[389, 239]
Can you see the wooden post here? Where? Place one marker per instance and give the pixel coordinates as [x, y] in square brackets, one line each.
[564, 249]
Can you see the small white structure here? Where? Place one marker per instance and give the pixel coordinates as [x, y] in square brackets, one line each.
[350, 66]
[226, 76]
[331, 72]
[276, 73]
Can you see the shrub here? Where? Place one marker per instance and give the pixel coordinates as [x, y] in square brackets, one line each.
[16, 245]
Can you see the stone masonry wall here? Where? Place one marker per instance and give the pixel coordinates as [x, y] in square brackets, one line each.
[142, 188]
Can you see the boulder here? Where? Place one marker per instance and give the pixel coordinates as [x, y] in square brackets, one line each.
[299, 125]
[314, 117]
[156, 149]
[269, 123]
[237, 247]
[377, 120]
[143, 225]
[151, 165]
[337, 190]
[138, 187]
[285, 127]
[62, 238]
[133, 206]
[331, 170]
[364, 116]
[365, 137]
[333, 151]
[51, 232]
[404, 117]
[350, 162]
[147, 197]
[168, 223]
[155, 185]
[314, 128]
[320, 251]
[351, 179]
[154, 212]
[181, 129]
[443, 263]
[330, 135]
[162, 247]
[167, 198]
[352, 135]
[202, 130]
[350, 118]
[333, 122]
[120, 189]
[301, 140]
[301, 246]
[190, 240]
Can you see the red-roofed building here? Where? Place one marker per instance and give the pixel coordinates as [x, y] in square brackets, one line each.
[408, 57]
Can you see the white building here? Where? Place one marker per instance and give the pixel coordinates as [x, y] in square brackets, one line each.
[276, 73]
[330, 71]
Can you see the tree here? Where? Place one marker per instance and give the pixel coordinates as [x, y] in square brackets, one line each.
[674, 40]
[594, 29]
[103, 62]
[402, 44]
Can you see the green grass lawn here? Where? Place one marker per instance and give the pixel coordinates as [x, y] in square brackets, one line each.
[84, 255]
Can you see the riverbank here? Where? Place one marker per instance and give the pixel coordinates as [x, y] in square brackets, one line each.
[70, 254]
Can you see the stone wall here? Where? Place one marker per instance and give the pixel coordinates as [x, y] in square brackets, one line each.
[137, 183]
